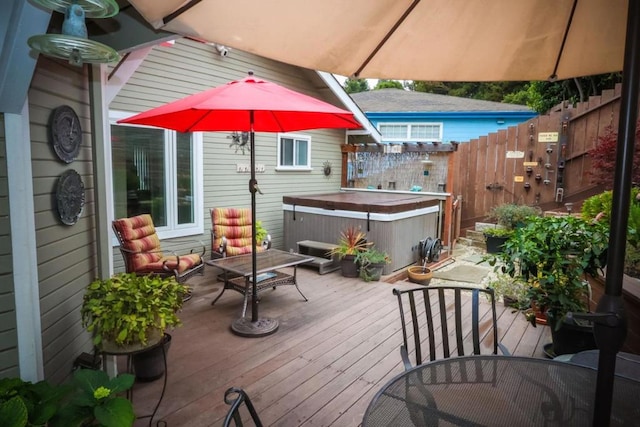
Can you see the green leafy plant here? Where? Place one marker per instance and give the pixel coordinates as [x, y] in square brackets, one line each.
[553, 255]
[261, 232]
[598, 208]
[95, 401]
[91, 399]
[497, 232]
[352, 241]
[127, 308]
[510, 288]
[372, 256]
[23, 403]
[511, 215]
[368, 259]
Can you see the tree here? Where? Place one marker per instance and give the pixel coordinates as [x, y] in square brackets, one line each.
[385, 84]
[603, 158]
[356, 85]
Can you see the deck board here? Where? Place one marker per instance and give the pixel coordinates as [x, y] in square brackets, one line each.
[321, 368]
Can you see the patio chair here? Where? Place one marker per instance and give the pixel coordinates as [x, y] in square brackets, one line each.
[231, 232]
[234, 416]
[452, 324]
[140, 248]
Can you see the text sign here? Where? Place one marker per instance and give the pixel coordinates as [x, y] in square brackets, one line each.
[518, 178]
[547, 136]
[245, 168]
[515, 154]
[530, 164]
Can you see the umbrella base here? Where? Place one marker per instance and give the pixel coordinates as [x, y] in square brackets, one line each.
[244, 327]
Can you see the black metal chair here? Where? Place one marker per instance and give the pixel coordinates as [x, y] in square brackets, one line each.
[452, 323]
[234, 397]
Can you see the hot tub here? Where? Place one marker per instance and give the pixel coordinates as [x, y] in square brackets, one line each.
[394, 222]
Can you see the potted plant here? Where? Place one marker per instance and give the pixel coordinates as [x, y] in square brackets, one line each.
[371, 262]
[554, 255]
[352, 241]
[495, 238]
[508, 216]
[512, 290]
[128, 313]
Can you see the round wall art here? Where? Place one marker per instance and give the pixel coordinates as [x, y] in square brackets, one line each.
[70, 197]
[65, 133]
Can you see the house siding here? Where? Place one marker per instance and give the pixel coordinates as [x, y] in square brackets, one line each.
[188, 67]
[66, 254]
[8, 332]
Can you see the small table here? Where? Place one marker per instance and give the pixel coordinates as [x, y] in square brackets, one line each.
[498, 391]
[267, 264]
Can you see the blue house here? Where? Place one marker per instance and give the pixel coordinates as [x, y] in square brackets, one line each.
[407, 116]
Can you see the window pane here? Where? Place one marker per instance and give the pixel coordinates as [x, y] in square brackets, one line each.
[139, 172]
[301, 159]
[185, 178]
[393, 131]
[286, 152]
[425, 131]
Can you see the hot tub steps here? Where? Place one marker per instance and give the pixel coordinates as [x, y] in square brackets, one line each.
[324, 262]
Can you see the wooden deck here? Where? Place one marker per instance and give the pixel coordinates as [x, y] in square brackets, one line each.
[321, 368]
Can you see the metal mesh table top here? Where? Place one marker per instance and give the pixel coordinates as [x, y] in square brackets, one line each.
[498, 391]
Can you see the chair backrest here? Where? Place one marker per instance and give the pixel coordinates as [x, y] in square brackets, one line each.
[137, 234]
[234, 224]
[235, 397]
[445, 321]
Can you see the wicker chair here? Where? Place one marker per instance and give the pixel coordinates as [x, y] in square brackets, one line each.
[231, 232]
[140, 248]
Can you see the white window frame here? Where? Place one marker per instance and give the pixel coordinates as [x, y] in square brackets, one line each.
[299, 137]
[173, 229]
[407, 137]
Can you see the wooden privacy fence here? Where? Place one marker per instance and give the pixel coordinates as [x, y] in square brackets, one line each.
[542, 162]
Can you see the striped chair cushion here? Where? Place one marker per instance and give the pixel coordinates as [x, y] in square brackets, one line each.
[137, 234]
[235, 225]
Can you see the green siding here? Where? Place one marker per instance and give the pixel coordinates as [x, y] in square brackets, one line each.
[8, 332]
[188, 67]
[66, 254]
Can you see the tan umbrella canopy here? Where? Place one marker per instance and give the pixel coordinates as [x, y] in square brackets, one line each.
[461, 40]
[452, 40]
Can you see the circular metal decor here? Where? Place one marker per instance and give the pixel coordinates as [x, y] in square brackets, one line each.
[70, 197]
[65, 133]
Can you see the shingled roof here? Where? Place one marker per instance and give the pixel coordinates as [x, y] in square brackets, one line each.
[398, 100]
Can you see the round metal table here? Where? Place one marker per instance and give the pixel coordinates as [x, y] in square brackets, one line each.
[498, 391]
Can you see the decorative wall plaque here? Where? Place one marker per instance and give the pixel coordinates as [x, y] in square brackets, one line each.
[65, 133]
[70, 197]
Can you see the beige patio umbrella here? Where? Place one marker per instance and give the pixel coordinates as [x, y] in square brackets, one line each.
[451, 40]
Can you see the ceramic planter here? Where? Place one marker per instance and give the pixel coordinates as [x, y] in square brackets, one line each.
[420, 275]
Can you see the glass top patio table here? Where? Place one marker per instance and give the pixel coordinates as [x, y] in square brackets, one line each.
[498, 391]
[266, 261]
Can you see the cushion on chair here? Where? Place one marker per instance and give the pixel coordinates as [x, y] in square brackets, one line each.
[138, 234]
[235, 225]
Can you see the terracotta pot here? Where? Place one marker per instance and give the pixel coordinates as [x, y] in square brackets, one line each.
[420, 275]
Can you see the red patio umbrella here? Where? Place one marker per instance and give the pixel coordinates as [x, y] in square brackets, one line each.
[249, 105]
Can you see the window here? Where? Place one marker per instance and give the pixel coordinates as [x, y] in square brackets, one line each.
[411, 132]
[294, 152]
[158, 172]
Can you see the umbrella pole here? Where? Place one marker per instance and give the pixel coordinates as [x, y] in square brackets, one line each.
[610, 322]
[256, 327]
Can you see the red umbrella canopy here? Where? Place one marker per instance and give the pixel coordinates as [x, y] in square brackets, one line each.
[229, 108]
